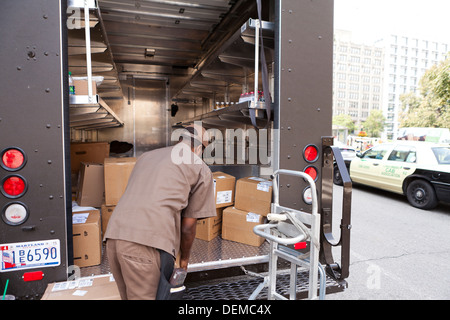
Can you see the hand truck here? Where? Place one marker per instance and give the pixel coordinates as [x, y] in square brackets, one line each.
[288, 227]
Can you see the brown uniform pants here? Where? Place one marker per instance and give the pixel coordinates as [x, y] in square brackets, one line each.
[136, 269]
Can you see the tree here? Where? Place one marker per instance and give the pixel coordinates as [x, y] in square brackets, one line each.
[374, 123]
[344, 120]
[430, 108]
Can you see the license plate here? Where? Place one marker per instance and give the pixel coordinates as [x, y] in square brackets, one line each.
[28, 255]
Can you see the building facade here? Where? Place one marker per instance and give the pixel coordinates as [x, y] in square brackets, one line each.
[406, 60]
[358, 78]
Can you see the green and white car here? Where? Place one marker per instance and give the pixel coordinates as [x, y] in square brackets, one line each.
[419, 170]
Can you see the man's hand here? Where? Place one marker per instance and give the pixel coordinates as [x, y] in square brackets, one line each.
[188, 229]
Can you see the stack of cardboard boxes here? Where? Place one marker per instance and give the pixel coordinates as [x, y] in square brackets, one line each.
[101, 181]
[240, 206]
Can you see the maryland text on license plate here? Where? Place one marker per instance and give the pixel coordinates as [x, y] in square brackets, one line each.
[28, 255]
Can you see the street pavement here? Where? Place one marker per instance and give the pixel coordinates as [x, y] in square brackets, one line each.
[398, 252]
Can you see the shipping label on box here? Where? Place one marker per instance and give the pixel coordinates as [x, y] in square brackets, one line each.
[224, 186]
[254, 194]
[237, 225]
[102, 287]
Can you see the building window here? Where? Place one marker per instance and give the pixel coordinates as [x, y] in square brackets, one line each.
[356, 50]
[354, 68]
[354, 95]
[342, 85]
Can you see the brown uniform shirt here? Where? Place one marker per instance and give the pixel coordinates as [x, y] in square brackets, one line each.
[161, 189]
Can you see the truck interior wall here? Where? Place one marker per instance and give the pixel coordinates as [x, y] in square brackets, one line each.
[144, 111]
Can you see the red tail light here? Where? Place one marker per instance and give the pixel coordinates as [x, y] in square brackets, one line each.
[14, 186]
[33, 276]
[12, 159]
[311, 153]
[312, 172]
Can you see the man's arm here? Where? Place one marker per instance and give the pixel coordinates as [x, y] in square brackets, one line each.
[188, 229]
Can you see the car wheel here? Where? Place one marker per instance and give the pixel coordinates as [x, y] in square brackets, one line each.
[421, 195]
[337, 178]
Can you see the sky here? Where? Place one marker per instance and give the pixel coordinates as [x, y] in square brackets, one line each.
[370, 20]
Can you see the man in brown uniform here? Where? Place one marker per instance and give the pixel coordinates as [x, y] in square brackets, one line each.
[168, 190]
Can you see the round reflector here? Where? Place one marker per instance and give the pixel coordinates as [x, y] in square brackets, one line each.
[15, 213]
[13, 186]
[307, 195]
[311, 153]
[312, 172]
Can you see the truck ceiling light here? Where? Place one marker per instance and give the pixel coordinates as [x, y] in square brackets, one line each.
[13, 159]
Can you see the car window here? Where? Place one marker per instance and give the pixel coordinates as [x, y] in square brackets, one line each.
[376, 152]
[403, 154]
[442, 154]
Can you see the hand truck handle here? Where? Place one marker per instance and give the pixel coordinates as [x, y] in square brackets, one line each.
[259, 230]
[296, 174]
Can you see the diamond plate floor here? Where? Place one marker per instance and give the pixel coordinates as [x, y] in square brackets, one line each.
[233, 288]
[242, 288]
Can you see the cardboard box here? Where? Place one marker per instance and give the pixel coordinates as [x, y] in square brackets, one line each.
[117, 173]
[89, 288]
[209, 228]
[254, 194]
[91, 152]
[87, 241]
[224, 186]
[106, 212]
[91, 185]
[237, 225]
[81, 87]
